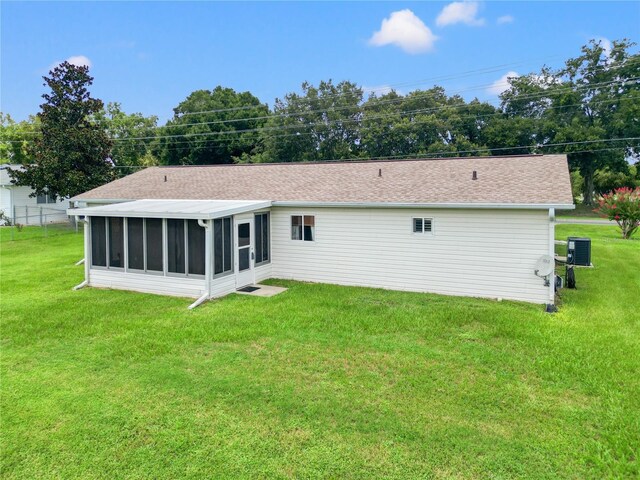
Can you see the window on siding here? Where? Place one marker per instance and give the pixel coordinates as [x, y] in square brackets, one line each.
[303, 227]
[296, 227]
[196, 247]
[153, 242]
[262, 237]
[309, 228]
[98, 242]
[222, 246]
[175, 246]
[116, 242]
[46, 198]
[135, 243]
[422, 225]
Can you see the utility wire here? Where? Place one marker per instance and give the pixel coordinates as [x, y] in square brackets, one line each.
[442, 77]
[189, 139]
[426, 94]
[420, 156]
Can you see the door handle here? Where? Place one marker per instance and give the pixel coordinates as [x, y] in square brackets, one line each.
[253, 257]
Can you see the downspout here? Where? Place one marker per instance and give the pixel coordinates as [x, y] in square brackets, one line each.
[86, 254]
[206, 224]
[552, 253]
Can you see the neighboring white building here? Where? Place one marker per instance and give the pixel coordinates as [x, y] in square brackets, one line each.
[464, 226]
[18, 206]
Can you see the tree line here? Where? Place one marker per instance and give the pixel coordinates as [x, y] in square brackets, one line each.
[582, 108]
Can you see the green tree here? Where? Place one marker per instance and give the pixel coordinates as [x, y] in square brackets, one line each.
[212, 126]
[132, 134]
[605, 180]
[15, 138]
[321, 123]
[593, 98]
[423, 122]
[71, 155]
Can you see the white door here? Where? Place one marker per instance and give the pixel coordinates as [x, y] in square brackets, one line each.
[244, 258]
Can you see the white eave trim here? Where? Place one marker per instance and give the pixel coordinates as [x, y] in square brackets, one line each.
[467, 205]
[512, 206]
[139, 211]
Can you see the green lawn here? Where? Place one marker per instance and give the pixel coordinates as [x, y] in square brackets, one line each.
[320, 381]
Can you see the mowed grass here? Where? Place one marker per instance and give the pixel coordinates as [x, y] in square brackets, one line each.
[318, 382]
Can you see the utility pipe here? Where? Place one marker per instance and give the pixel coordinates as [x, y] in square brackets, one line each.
[206, 224]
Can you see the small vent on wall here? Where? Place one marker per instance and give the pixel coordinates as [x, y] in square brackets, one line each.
[474, 175]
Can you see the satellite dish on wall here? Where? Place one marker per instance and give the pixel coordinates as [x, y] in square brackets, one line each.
[544, 266]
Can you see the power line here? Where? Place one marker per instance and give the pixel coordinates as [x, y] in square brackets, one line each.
[420, 156]
[313, 124]
[426, 94]
[443, 77]
[284, 127]
[189, 139]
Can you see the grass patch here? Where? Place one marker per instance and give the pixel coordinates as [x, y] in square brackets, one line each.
[320, 381]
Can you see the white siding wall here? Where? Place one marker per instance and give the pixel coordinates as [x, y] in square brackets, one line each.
[28, 210]
[5, 201]
[222, 286]
[176, 286]
[263, 272]
[483, 253]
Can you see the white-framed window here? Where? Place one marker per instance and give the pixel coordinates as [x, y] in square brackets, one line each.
[46, 198]
[107, 242]
[422, 225]
[180, 251]
[261, 237]
[303, 227]
[222, 246]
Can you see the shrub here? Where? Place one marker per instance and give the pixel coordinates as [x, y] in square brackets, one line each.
[4, 219]
[623, 206]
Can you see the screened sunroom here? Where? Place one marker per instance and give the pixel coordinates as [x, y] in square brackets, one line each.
[194, 248]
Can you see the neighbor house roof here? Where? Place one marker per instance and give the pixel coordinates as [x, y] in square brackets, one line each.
[517, 180]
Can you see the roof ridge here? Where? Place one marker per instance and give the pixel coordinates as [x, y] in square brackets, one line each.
[359, 161]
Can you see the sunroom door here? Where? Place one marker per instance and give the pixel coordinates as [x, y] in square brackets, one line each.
[244, 260]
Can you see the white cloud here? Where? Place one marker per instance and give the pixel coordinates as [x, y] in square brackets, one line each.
[460, 12]
[502, 83]
[405, 30]
[380, 90]
[605, 43]
[77, 60]
[505, 19]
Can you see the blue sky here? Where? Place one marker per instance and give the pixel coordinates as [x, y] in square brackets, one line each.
[150, 56]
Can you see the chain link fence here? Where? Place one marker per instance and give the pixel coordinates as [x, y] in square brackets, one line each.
[34, 221]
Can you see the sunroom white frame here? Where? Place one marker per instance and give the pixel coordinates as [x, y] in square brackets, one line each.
[204, 211]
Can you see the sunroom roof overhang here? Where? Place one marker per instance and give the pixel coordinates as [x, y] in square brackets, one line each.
[189, 209]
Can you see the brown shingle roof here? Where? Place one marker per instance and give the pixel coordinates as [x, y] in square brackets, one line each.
[536, 179]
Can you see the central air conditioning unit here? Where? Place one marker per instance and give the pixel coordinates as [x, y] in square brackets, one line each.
[579, 251]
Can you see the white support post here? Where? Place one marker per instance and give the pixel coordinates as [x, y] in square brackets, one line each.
[87, 252]
[552, 254]
[208, 256]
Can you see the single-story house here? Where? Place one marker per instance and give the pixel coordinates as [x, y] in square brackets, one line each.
[19, 207]
[458, 226]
